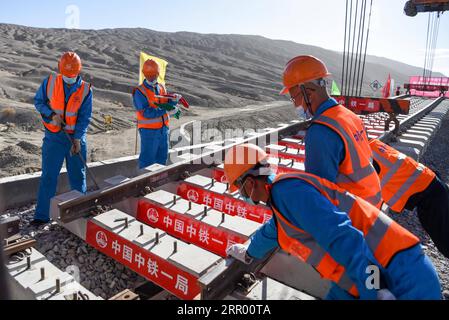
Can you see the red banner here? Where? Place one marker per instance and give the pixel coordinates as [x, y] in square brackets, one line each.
[358, 105]
[224, 203]
[180, 283]
[289, 156]
[292, 145]
[187, 228]
[435, 81]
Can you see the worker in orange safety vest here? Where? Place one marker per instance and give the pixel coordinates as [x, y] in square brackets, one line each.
[64, 102]
[341, 235]
[407, 184]
[153, 116]
[336, 144]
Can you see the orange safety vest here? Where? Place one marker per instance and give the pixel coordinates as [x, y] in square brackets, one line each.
[400, 176]
[356, 172]
[68, 112]
[153, 123]
[383, 236]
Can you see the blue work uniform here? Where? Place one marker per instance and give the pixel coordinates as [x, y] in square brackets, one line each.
[410, 274]
[324, 149]
[154, 142]
[56, 147]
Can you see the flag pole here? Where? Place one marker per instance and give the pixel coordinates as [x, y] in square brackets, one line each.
[137, 124]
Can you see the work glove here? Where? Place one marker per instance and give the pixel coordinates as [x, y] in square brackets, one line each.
[57, 120]
[76, 147]
[166, 106]
[239, 252]
[385, 294]
[177, 115]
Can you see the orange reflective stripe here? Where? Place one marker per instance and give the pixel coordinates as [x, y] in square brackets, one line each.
[154, 123]
[356, 172]
[56, 96]
[383, 236]
[360, 172]
[401, 176]
[51, 86]
[406, 186]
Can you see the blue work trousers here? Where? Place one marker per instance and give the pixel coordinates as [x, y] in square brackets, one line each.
[154, 146]
[55, 149]
[409, 276]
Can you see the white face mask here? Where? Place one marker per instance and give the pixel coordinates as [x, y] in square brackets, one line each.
[69, 80]
[152, 83]
[303, 114]
[249, 199]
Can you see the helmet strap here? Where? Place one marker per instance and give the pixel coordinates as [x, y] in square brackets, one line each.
[306, 99]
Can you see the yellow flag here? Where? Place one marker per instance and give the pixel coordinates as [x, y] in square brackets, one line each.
[162, 65]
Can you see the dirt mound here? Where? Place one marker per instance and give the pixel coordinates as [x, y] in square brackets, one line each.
[20, 159]
[26, 119]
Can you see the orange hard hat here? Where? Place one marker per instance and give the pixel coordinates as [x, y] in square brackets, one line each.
[150, 69]
[70, 65]
[303, 69]
[241, 159]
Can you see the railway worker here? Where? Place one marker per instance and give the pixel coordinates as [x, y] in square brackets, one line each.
[64, 101]
[336, 142]
[407, 184]
[342, 236]
[153, 116]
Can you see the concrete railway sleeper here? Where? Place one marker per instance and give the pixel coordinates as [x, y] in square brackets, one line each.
[172, 225]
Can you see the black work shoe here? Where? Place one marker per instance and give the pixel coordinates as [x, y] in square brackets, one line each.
[38, 223]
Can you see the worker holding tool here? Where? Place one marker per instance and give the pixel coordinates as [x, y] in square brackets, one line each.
[154, 108]
[347, 240]
[337, 146]
[65, 103]
[407, 184]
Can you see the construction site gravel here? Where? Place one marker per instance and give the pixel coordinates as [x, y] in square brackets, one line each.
[106, 277]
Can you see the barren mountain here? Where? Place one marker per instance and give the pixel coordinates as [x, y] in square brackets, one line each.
[218, 74]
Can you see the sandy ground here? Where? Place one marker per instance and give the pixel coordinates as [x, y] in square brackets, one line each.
[20, 150]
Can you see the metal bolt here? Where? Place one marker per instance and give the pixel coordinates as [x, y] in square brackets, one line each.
[223, 218]
[157, 237]
[227, 186]
[175, 247]
[293, 163]
[205, 211]
[141, 230]
[75, 296]
[213, 182]
[190, 206]
[125, 220]
[58, 285]
[279, 160]
[28, 263]
[42, 273]
[174, 199]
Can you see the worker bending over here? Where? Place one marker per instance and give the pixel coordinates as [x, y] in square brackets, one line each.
[65, 103]
[153, 116]
[337, 146]
[407, 184]
[342, 236]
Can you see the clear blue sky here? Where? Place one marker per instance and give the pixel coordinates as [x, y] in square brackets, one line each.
[319, 23]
